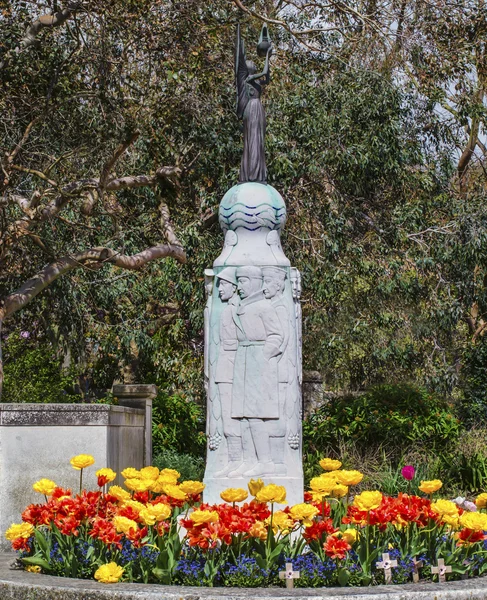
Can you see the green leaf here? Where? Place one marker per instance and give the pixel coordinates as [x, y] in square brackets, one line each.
[36, 560]
[42, 541]
[343, 577]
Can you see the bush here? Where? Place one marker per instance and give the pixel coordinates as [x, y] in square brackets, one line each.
[177, 425]
[393, 418]
[190, 467]
[33, 373]
[466, 463]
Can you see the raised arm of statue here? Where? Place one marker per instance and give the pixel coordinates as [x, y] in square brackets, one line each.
[265, 76]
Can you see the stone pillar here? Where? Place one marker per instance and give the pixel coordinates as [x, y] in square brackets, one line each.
[313, 395]
[139, 396]
[253, 349]
[38, 440]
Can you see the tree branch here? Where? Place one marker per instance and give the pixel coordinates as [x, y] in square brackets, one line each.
[18, 147]
[43, 21]
[467, 154]
[73, 190]
[166, 225]
[341, 6]
[35, 172]
[108, 166]
[94, 256]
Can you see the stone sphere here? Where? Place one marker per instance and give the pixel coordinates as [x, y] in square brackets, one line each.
[252, 206]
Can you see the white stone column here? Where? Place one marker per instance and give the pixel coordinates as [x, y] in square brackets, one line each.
[253, 350]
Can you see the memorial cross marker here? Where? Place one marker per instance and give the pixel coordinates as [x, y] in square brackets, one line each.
[441, 570]
[417, 564]
[289, 575]
[386, 563]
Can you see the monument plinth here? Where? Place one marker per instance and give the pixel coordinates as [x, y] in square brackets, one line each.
[253, 322]
[253, 349]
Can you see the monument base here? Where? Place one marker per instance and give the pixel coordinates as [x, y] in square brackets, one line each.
[214, 485]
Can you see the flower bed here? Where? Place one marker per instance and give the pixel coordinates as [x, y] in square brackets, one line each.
[157, 530]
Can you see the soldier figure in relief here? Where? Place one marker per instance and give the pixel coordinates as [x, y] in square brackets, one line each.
[224, 370]
[255, 396]
[273, 288]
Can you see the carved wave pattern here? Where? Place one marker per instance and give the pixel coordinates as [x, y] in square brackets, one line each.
[252, 217]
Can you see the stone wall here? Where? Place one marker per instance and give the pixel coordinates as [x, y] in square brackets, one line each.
[38, 440]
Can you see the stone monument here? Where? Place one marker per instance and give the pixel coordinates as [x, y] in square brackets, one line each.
[253, 320]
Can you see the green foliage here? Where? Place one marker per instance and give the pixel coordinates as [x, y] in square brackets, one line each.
[391, 419]
[466, 462]
[189, 466]
[34, 373]
[390, 415]
[474, 401]
[178, 426]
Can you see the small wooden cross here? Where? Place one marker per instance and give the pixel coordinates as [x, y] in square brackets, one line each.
[289, 575]
[441, 569]
[417, 564]
[386, 564]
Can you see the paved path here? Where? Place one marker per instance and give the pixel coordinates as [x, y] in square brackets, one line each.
[19, 585]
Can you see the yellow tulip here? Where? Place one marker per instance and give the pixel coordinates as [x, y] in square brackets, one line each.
[81, 461]
[137, 506]
[304, 512]
[255, 485]
[130, 473]
[258, 530]
[151, 473]
[109, 573]
[339, 491]
[367, 501]
[174, 491]
[44, 486]
[329, 464]
[445, 507]
[108, 474]
[234, 495]
[123, 524]
[481, 500]
[192, 487]
[474, 520]
[349, 477]
[20, 530]
[200, 517]
[119, 493]
[160, 510]
[429, 487]
[271, 493]
[171, 474]
[322, 485]
[138, 485]
[281, 522]
[350, 536]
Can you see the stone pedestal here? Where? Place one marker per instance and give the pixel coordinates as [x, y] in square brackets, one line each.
[38, 440]
[313, 394]
[253, 349]
[139, 396]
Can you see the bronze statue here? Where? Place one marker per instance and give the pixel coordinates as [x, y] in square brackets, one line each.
[249, 108]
